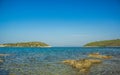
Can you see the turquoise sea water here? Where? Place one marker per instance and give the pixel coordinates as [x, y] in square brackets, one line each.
[48, 61]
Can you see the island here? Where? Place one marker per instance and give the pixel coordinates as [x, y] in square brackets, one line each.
[25, 44]
[105, 43]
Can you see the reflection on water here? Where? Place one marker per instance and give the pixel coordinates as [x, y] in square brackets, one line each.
[47, 61]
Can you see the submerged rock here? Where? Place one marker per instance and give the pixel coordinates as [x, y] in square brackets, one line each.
[4, 54]
[1, 61]
[83, 65]
[97, 55]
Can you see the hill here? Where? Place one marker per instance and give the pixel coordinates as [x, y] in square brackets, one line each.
[25, 44]
[105, 43]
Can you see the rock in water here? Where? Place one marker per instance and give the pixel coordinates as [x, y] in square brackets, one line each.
[97, 55]
[1, 61]
[4, 54]
[83, 65]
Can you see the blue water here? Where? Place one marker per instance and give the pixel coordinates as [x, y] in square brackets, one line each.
[48, 61]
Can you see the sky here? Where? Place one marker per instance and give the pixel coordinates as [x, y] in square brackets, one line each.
[59, 22]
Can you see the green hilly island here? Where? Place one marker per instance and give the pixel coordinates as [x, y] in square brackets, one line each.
[25, 44]
[105, 43]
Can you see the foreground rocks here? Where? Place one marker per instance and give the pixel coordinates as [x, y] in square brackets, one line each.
[84, 65]
[97, 55]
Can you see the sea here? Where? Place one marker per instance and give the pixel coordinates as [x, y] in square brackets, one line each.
[49, 61]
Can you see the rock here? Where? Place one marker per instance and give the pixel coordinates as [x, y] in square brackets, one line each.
[1, 55]
[4, 54]
[97, 55]
[83, 65]
[1, 61]
[94, 61]
[12, 74]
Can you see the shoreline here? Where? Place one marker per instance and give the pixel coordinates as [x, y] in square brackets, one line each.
[101, 46]
[30, 47]
[59, 47]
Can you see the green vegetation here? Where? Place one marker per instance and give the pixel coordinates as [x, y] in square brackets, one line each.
[105, 43]
[25, 44]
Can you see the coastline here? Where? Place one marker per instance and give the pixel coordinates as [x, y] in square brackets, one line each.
[101, 46]
[25, 44]
[2, 45]
[29, 46]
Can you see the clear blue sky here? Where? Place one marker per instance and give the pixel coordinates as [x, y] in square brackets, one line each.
[59, 22]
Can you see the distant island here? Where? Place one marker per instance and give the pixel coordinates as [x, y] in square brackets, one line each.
[105, 43]
[25, 44]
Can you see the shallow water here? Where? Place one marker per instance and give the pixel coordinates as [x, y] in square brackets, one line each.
[47, 61]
